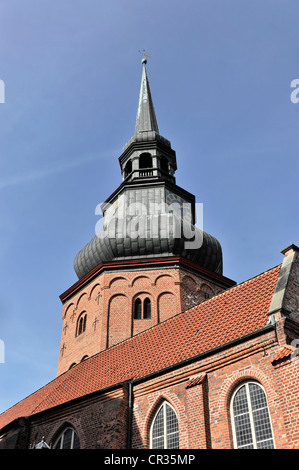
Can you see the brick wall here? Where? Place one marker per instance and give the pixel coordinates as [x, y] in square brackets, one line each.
[287, 379]
[100, 422]
[203, 409]
[200, 394]
[108, 303]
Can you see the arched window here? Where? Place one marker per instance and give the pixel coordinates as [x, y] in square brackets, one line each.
[164, 164]
[128, 168]
[164, 432]
[142, 309]
[137, 309]
[145, 160]
[81, 324]
[67, 439]
[147, 308]
[250, 418]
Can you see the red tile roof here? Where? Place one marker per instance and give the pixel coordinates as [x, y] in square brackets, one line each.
[230, 315]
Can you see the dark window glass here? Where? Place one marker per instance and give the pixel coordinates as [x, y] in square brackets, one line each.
[164, 164]
[137, 309]
[145, 160]
[147, 308]
[128, 168]
[81, 325]
[68, 439]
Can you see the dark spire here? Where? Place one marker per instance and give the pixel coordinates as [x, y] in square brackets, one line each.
[146, 126]
[146, 117]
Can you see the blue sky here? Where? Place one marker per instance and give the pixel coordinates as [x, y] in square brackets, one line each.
[220, 75]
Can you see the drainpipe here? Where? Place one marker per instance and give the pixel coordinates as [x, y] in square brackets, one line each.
[130, 414]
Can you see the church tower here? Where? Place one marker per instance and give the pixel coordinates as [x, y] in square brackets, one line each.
[148, 260]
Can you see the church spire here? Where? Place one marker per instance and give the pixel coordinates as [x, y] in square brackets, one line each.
[146, 117]
[146, 126]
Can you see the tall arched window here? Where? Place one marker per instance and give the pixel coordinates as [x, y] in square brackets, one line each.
[67, 439]
[147, 308]
[164, 432]
[250, 418]
[137, 309]
[128, 168]
[164, 164]
[81, 323]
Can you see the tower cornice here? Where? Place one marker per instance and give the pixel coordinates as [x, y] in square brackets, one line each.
[142, 264]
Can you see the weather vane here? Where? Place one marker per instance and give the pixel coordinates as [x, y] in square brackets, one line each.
[143, 53]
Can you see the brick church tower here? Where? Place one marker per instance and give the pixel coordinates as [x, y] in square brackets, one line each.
[148, 260]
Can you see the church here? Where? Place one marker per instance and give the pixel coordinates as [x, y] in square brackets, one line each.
[159, 350]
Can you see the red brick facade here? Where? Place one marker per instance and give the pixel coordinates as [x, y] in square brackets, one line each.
[103, 422]
[108, 303]
[203, 410]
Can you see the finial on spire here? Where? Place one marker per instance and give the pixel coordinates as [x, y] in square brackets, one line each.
[144, 61]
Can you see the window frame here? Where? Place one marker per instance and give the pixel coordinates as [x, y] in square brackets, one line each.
[61, 436]
[164, 404]
[141, 302]
[145, 161]
[81, 323]
[137, 315]
[250, 413]
[146, 311]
